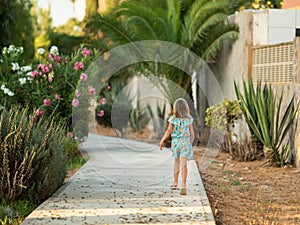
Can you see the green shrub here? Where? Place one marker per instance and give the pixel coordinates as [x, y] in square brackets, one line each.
[70, 147]
[104, 120]
[111, 99]
[46, 85]
[222, 117]
[119, 120]
[14, 212]
[32, 164]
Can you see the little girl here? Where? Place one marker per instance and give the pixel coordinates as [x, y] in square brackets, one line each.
[182, 133]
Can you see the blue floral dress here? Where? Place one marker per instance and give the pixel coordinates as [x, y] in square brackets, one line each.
[181, 138]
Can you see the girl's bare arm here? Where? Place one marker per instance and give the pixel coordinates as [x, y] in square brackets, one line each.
[166, 135]
[192, 133]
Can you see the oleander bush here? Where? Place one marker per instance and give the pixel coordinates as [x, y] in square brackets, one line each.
[113, 107]
[32, 163]
[46, 85]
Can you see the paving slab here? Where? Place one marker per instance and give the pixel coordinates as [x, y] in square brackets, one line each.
[125, 182]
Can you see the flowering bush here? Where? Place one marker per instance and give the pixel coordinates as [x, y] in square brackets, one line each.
[109, 99]
[46, 85]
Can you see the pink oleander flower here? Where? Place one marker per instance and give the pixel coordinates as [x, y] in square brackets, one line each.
[83, 77]
[100, 114]
[34, 73]
[57, 96]
[39, 112]
[77, 93]
[86, 52]
[107, 87]
[51, 56]
[47, 102]
[92, 90]
[57, 59]
[45, 69]
[40, 66]
[50, 65]
[102, 101]
[75, 102]
[78, 65]
[70, 135]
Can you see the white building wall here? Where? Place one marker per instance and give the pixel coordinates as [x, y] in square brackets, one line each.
[275, 26]
[281, 26]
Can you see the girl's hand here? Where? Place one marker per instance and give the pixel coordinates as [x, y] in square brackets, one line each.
[161, 145]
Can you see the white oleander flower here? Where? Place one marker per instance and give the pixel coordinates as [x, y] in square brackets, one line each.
[11, 48]
[41, 51]
[20, 49]
[22, 80]
[26, 68]
[10, 93]
[54, 50]
[6, 90]
[15, 66]
[4, 50]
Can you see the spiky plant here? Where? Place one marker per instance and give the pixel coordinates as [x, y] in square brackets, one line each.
[267, 119]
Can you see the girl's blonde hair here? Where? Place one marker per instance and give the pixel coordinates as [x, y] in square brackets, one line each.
[181, 108]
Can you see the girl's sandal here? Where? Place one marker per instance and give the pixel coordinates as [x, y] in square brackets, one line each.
[174, 187]
[183, 191]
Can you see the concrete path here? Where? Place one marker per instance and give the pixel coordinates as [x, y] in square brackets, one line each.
[125, 182]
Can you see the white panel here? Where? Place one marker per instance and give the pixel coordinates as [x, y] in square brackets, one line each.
[260, 28]
[298, 18]
[282, 18]
[279, 35]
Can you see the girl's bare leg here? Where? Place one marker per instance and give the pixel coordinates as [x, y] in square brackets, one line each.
[184, 171]
[176, 171]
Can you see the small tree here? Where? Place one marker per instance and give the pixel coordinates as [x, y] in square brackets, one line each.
[222, 117]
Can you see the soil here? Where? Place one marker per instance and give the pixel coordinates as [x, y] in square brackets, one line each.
[250, 192]
[243, 193]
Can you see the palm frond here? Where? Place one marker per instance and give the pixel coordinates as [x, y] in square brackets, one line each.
[174, 14]
[235, 5]
[148, 22]
[202, 15]
[113, 29]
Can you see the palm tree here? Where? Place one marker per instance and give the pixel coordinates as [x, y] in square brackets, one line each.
[199, 25]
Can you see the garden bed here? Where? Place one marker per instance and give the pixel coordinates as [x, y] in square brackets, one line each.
[250, 193]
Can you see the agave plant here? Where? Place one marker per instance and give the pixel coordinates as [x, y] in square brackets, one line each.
[158, 117]
[267, 119]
